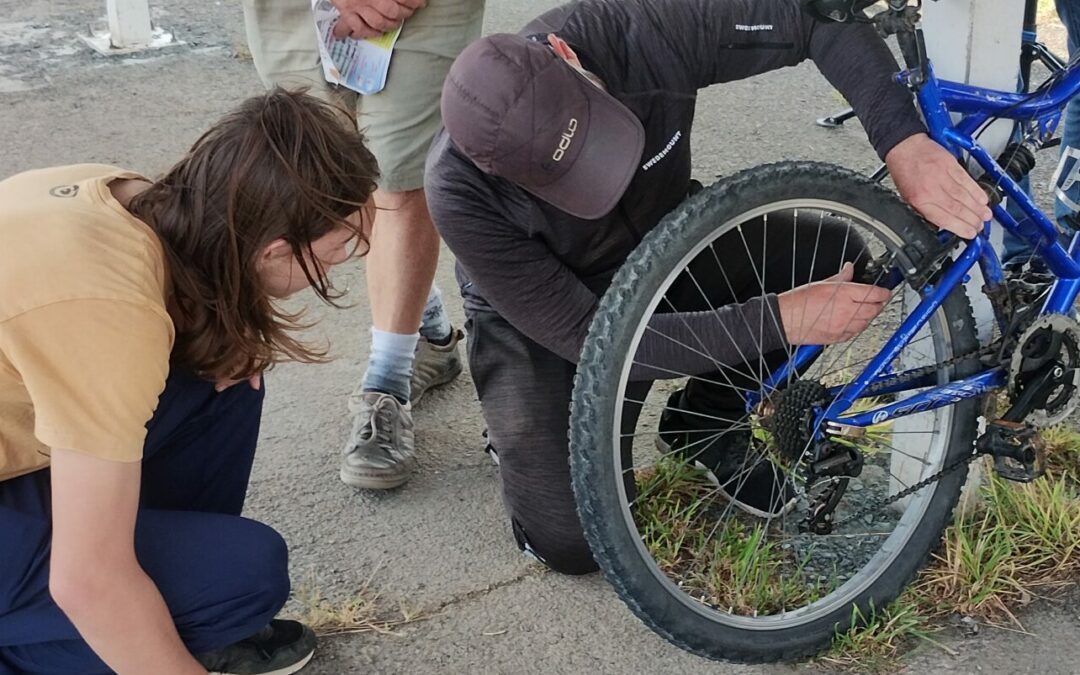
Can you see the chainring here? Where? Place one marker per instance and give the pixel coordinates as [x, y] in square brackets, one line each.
[1063, 400]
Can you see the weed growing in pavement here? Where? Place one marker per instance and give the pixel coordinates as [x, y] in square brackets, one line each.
[874, 642]
[1022, 543]
[1063, 453]
[721, 561]
[363, 612]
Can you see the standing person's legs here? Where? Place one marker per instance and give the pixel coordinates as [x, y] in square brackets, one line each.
[1016, 251]
[223, 577]
[399, 123]
[1067, 176]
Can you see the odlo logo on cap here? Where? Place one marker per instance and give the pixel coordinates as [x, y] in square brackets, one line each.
[564, 140]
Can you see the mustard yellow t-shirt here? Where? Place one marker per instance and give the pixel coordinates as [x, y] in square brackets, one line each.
[84, 334]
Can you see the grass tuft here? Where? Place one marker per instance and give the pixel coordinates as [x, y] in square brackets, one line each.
[1063, 453]
[873, 643]
[361, 613]
[743, 570]
[1021, 544]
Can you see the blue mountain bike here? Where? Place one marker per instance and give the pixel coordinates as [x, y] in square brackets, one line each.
[747, 509]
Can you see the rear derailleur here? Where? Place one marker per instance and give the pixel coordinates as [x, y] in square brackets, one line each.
[829, 475]
[824, 465]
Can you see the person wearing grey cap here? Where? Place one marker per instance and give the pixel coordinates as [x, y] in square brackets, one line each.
[565, 144]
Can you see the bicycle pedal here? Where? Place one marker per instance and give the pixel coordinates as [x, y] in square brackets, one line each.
[1018, 450]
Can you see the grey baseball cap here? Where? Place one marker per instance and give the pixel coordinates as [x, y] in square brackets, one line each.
[521, 113]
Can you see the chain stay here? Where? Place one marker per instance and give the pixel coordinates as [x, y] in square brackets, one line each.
[916, 373]
[817, 519]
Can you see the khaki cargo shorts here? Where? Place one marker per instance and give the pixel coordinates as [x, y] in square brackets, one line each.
[400, 120]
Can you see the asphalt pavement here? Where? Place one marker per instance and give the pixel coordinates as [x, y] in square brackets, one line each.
[441, 543]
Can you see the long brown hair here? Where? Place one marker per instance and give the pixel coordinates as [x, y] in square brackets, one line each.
[280, 166]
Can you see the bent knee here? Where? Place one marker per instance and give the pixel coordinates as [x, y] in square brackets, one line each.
[262, 560]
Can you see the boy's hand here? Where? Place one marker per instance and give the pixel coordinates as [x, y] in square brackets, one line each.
[255, 381]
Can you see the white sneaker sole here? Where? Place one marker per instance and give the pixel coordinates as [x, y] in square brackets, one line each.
[287, 670]
[367, 482]
[784, 509]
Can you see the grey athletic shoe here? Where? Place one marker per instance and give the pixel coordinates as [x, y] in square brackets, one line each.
[381, 452]
[435, 365]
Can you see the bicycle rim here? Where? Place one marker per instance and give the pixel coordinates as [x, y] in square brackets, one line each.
[761, 573]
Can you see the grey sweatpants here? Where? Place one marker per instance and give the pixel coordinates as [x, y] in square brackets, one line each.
[525, 390]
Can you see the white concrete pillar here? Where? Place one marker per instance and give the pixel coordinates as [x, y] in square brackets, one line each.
[976, 42]
[129, 23]
[129, 30]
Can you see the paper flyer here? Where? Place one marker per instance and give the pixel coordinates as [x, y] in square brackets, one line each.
[360, 65]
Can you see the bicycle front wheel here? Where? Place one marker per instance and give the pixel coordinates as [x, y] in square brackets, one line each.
[697, 504]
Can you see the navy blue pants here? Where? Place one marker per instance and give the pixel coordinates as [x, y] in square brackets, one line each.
[1067, 176]
[223, 577]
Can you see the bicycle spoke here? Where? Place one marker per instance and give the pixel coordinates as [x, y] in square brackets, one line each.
[713, 309]
[693, 494]
[761, 285]
[697, 378]
[682, 410]
[683, 431]
[719, 367]
[899, 451]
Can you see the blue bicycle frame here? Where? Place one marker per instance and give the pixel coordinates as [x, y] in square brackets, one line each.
[939, 100]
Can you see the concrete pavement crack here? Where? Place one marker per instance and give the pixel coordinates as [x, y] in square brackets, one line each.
[531, 573]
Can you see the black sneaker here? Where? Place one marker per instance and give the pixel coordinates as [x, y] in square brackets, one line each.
[761, 490]
[745, 478]
[282, 648]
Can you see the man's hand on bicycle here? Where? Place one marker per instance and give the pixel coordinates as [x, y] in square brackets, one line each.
[934, 183]
[830, 311]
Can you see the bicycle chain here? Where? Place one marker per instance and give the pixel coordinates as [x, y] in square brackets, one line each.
[998, 347]
[914, 374]
[907, 492]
